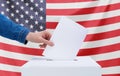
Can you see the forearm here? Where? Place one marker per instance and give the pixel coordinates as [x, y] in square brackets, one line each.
[11, 30]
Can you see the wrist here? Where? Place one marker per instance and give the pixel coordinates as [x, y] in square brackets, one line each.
[28, 37]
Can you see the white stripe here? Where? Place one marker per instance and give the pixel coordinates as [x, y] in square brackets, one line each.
[86, 17]
[100, 43]
[111, 70]
[81, 4]
[18, 56]
[106, 56]
[105, 28]
[13, 42]
[12, 68]
[99, 29]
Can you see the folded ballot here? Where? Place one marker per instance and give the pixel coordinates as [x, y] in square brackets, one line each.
[68, 38]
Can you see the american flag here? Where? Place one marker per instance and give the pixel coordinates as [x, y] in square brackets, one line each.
[100, 17]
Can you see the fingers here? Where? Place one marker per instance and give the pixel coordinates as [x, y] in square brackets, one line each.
[47, 42]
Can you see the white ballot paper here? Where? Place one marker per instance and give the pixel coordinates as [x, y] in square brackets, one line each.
[68, 38]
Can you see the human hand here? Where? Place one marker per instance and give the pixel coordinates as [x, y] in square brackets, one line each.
[40, 37]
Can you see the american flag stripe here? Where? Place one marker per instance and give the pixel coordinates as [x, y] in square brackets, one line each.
[105, 21]
[106, 56]
[66, 1]
[80, 11]
[78, 4]
[111, 70]
[55, 18]
[9, 73]
[18, 56]
[109, 63]
[10, 68]
[103, 28]
[11, 61]
[19, 49]
[100, 36]
[93, 51]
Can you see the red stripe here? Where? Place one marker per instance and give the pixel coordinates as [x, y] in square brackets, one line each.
[90, 23]
[99, 50]
[82, 11]
[10, 61]
[104, 35]
[9, 73]
[111, 75]
[51, 25]
[19, 49]
[66, 1]
[100, 22]
[109, 63]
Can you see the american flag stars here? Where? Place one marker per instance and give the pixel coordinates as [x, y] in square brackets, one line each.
[29, 13]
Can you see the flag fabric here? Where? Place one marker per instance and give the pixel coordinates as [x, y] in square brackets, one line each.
[102, 43]
[28, 13]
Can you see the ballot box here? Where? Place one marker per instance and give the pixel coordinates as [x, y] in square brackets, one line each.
[80, 66]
